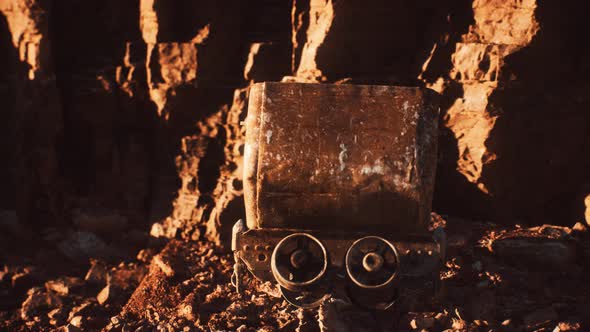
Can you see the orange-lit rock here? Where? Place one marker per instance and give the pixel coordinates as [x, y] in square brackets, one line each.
[171, 65]
[320, 16]
[500, 29]
[26, 21]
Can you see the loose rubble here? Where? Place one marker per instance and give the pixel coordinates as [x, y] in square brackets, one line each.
[494, 280]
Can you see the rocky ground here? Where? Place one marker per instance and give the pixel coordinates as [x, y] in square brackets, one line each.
[495, 279]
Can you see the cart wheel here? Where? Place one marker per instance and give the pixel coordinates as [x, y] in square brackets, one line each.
[372, 262]
[299, 261]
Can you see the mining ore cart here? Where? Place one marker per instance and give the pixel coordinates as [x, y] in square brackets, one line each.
[338, 183]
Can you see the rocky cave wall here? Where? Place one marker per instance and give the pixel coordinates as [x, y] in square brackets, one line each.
[134, 108]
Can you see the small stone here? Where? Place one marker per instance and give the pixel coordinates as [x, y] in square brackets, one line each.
[579, 227]
[458, 324]
[76, 321]
[103, 295]
[84, 309]
[186, 310]
[97, 273]
[57, 316]
[108, 294]
[57, 287]
[166, 228]
[270, 289]
[145, 255]
[164, 266]
[63, 286]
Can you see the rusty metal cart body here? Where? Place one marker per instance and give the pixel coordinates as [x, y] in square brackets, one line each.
[338, 183]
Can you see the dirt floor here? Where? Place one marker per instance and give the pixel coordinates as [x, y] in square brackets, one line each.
[495, 279]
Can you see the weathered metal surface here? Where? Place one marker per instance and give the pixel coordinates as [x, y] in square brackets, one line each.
[322, 156]
[416, 272]
[418, 254]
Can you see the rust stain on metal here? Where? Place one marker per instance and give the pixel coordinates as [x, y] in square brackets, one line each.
[320, 156]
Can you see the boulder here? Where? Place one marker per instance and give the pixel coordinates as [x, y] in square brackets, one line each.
[537, 253]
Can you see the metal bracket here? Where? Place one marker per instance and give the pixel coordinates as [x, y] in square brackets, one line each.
[420, 256]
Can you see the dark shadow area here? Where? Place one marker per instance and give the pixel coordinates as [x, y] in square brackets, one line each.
[387, 42]
[9, 92]
[106, 154]
[114, 151]
[542, 137]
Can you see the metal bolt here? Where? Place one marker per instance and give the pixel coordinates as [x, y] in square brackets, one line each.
[299, 258]
[372, 262]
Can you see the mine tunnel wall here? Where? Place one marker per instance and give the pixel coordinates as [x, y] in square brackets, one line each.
[135, 106]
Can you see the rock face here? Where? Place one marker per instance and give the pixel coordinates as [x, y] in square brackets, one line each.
[32, 108]
[104, 98]
[500, 29]
[507, 114]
